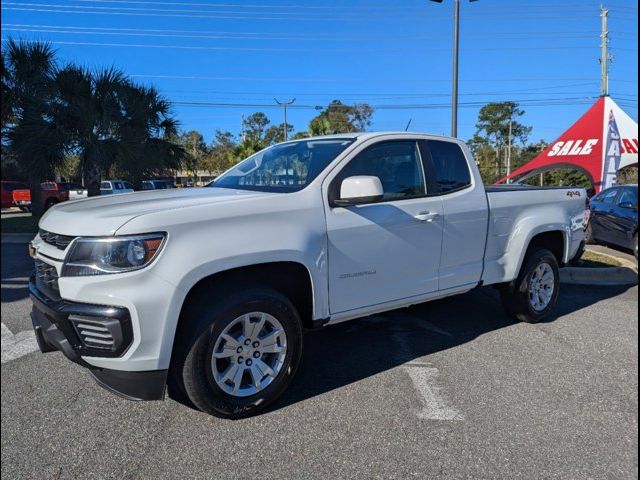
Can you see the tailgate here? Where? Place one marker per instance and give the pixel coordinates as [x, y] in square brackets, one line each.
[21, 196]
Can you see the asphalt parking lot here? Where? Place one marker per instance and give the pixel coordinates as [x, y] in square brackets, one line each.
[450, 389]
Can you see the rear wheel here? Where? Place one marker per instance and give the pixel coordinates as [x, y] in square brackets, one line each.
[535, 293]
[243, 353]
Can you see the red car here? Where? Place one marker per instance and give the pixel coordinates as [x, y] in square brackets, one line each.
[7, 189]
[52, 193]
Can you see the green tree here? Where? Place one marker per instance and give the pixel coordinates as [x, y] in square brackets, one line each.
[36, 142]
[222, 154]
[146, 132]
[340, 118]
[195, 152]
[275, 133]
[114, 124]
[496, 121]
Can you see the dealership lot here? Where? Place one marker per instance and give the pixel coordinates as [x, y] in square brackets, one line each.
[448, 389]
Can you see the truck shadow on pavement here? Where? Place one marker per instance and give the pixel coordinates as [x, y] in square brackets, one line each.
[339, 355]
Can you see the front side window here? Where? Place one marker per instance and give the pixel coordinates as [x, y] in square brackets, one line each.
[397, 165]
[609, 196]
[448, 164]
[287, 167]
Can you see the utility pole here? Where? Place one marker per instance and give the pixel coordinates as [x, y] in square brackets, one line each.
[509, 152]
[605, 56]
[454, 87]
[284, 106]
[456, 49]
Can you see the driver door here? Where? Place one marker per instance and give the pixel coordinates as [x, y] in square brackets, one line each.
[390, 249]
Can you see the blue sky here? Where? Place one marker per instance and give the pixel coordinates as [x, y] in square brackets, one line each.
[394, 55]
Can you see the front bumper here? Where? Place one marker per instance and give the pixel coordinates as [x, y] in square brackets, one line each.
[80, 329]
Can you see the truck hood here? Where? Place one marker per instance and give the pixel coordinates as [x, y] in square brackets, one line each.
[104, 215]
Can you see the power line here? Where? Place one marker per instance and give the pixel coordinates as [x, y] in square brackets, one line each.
[242, 15]
[262, 35]
[416, 106]
[274, 49]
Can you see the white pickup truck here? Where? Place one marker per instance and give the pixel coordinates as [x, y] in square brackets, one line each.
[208, 290]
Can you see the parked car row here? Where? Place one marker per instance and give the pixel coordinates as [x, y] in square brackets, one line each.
[51, 193]
[18, 194]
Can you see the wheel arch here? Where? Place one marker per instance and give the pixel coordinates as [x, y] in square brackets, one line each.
[290, 278]
[553, 238]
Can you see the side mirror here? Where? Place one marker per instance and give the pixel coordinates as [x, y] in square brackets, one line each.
[359, 190]
[629, 205]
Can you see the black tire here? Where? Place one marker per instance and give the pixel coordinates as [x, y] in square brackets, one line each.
[50, 203]
[516, 299]
[206, 322]
[588, 235]
[25, 209]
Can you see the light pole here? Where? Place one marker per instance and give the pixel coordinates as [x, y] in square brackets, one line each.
[284, 106]
[456, 49]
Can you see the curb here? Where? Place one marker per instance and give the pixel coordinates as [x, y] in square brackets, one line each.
[599, 276]
[16, 237]
[625, 263]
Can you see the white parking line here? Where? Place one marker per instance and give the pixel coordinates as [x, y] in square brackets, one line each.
[18, 345]
[434, 406]
[424, 376]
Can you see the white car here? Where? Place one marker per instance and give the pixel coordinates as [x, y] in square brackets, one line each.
[109, 187]
[208, 290]
[76, 191]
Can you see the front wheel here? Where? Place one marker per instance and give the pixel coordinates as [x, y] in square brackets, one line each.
[245, 356]
[536, 289]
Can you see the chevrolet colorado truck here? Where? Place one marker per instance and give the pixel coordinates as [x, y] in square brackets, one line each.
[206, 292]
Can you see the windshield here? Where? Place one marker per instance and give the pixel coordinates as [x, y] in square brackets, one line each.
[287, 167]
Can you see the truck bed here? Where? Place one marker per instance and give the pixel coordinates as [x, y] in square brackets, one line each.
[519, 212]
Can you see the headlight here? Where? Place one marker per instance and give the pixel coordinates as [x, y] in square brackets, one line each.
[100, 256]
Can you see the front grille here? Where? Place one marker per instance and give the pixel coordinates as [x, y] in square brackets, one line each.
[57, 240]
[47, 279]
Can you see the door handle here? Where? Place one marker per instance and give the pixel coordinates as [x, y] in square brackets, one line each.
[426, 216]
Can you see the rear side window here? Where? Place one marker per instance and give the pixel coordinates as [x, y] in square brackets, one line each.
[447, 167]
[105, 185]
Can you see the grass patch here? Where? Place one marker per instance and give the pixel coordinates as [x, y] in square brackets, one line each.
[21, 224]
[595, 260]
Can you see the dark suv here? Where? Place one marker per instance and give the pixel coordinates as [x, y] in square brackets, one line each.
[614, 217]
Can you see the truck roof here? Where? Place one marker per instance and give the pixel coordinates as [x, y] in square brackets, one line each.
[368, 135]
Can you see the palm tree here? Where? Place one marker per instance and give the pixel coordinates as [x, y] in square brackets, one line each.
[103, 118]
[35, 140]
[114, 123]
[146, 133]
[87, 107]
